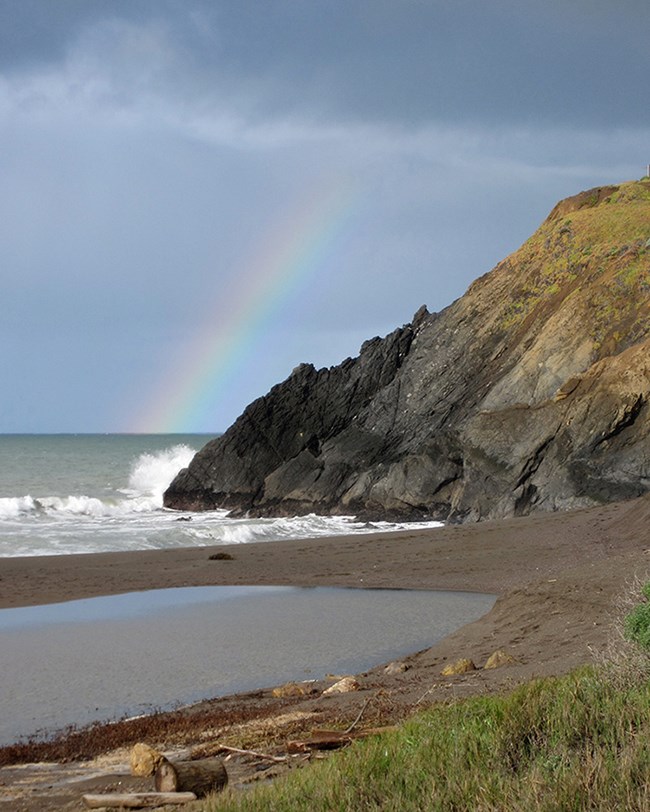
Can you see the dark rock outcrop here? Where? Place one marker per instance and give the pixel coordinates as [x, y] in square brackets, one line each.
[276, 452]
[530, 392]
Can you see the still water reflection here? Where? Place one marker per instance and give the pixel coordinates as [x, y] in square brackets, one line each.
[101, 658]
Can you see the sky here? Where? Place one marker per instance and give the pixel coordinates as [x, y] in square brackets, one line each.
[196, 196]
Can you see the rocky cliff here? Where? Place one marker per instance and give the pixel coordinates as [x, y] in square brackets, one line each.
[528, 393]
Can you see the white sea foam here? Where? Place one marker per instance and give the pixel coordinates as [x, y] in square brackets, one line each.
[242, 531]
[11, 507]
[152, 473]
[98, 508]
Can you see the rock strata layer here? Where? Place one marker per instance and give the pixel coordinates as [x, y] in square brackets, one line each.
[528, 393]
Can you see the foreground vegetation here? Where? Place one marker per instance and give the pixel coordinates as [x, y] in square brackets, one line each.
[575, 743]
[580, 742]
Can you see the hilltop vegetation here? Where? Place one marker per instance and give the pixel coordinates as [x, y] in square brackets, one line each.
[595, 264]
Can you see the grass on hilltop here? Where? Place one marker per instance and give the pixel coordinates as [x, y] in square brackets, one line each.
[580, 742]
[595, 261]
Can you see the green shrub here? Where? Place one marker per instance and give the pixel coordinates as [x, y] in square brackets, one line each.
[637, 623]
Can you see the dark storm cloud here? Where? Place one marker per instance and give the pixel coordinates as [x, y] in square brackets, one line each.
[412, 62]
[415, 62]
[34, 32]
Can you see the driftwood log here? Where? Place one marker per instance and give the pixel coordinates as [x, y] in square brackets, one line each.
[137, 800]
[333, 739]
[254, 753]
[200, 777]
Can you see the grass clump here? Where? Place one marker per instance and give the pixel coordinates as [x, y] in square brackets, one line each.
[572, 743]
[637, 622]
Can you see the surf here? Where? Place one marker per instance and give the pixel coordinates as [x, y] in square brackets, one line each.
[103, 493]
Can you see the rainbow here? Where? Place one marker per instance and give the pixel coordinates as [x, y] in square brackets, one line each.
[291, 253]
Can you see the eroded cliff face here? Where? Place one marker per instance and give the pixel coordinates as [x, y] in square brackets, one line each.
[530, 392]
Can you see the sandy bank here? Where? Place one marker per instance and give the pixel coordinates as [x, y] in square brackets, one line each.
[559, 578]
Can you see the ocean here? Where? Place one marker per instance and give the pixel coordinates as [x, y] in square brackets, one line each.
[87, 493]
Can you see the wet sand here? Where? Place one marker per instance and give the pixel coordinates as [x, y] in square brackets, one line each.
[560, 578]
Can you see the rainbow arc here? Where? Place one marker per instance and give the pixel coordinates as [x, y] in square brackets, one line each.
[298, 247]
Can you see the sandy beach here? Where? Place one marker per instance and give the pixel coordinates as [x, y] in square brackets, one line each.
[560, 578]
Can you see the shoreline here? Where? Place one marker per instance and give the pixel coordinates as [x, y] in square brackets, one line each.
[559, 579]
[493, 556]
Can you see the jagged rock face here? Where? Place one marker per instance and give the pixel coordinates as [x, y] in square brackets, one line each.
[529, 392]
[276, 449]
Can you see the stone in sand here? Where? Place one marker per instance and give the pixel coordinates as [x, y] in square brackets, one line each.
[461, 666]
[144, 759]
[498, 659]
[343, 686]
[293, 689]
[395, 668]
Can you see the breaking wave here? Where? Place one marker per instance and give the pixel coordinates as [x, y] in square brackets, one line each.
[13, 507]
[150, 475]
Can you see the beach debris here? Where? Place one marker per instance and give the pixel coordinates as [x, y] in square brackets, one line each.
[351, 727]
[498, 659]
[237, 751]
[461, 666]
[137, 800]
[221, 557]
[429, 690]
[200, 777]
[294, 689]
[320, 741]
[144, 759]
[395, 668]
[333, 739]
[343, 686]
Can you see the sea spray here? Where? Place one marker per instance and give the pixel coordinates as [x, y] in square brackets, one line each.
[152, 473]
